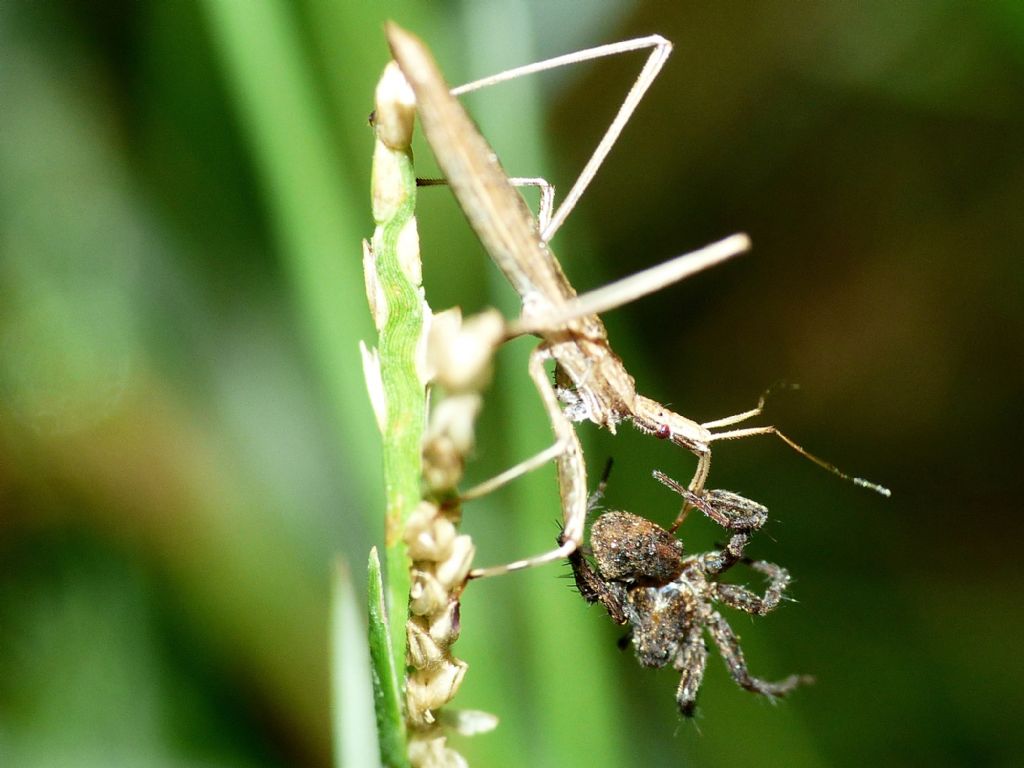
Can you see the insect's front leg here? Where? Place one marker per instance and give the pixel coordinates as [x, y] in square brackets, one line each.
[572, 469]
[651, 417]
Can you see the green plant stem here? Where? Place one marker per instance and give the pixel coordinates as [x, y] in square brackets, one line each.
[404, 393]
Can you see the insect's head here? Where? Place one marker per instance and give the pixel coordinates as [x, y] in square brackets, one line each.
[653, 418]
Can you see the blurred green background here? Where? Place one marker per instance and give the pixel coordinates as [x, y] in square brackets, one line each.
[186, 445]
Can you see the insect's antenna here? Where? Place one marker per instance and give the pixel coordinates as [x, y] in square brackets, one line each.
[879, 489]
[747, 432]
[828, 467]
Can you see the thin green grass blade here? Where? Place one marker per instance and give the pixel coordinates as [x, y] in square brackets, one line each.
[314, 212]
[351, 688]
[386, 696]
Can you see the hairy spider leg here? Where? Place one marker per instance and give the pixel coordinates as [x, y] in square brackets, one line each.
[719, 561]
[691, 662]
[744, 600]
[594, 589]
[729, 646]
[730, 510]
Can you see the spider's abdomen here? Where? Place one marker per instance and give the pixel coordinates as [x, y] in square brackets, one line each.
[628, 547]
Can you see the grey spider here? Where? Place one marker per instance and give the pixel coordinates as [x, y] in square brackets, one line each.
[643, 580]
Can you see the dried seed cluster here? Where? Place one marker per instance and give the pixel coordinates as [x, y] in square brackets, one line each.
[441, 561]
[458, 358]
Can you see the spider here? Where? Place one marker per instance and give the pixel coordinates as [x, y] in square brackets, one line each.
[643, 580]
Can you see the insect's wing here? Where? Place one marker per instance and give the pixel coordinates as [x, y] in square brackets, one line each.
[495, 210]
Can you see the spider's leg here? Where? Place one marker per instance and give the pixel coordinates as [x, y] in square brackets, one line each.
[595, 498]
[729, 646]
[728, 509]
[719, 561]
[624, 641]
[594, 589]
[692, 660]
[743, 599]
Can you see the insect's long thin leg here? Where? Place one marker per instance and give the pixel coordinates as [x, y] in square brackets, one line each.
[655, 61]
[735, 434]
[636, 286]
[512, 473]
[700, 477]
[572, 476]
[546, 189]
[547, 196]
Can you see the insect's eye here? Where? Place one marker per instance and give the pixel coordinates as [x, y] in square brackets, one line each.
[663, 432]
